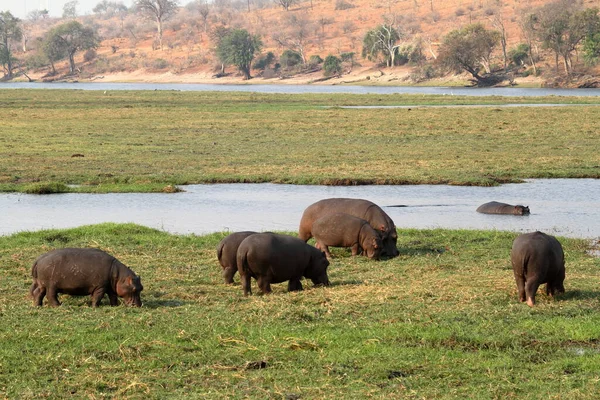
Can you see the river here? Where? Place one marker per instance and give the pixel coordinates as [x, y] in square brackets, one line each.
[564, 207]
[295, 89]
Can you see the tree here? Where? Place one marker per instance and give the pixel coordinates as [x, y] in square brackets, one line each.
[67, 39]
[381, 40]
[9, 31]
[109, 8]
[286, 4]
[561, 26]
[157, 10]
[70, 9]
[467, 49]
[238, 48]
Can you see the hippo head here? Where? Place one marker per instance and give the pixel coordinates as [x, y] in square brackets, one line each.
[317, 269]
[129, 289]
[389, 238]
[521, 210]
[373, 248]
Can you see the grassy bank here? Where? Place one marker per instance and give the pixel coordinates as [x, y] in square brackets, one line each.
[145, 141]
[440, 321]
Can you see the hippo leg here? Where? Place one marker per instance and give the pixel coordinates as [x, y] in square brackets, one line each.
[264, 284]
[52, 295]
[294, 285]
[521, 287]
[114, 299]
[97, 297]
[531, 286]
[38, 293]
[356, 250]
[228, 275]
[245, 278]
[324, 248]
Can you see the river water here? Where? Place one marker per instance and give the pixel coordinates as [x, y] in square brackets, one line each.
[565, 207]
[295, 89]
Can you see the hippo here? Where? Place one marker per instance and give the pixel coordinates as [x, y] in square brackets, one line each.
[345, 230]
[81, 272]
[360, 208]
[275, 258]
[537, 258]
[226, 253]
[494, 207]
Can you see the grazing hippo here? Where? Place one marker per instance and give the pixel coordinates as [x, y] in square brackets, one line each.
[537, 258]
[360, 208]
[274, 258]
[494, 207]
[82, 272]
[227, 251]
[345, 230]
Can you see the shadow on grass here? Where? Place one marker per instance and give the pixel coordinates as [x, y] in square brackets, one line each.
[578, 294]
[421, 251]
[171, 303]
[350, 282]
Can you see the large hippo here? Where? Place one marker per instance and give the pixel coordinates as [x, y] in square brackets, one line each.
[345, 230]
[494, 207]
[82, 272]
[274, 258]
[537, 258]
[227, 251]
[360, 208]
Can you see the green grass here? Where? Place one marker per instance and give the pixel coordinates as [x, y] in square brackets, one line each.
[147, 140]
[440, 321]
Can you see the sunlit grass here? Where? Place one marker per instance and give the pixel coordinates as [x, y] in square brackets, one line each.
[145, 141]
[442, 320]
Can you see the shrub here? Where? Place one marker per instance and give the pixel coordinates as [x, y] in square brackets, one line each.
[160, 63]
[332, 66]
[347, 57]
[290, 58]
[46, 188]
[519, 54]
[264, 62]
[315, 60]
[343, 5]
[459, 12]
[89, 55]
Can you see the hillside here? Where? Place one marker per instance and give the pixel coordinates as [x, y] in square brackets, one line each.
[128, 51]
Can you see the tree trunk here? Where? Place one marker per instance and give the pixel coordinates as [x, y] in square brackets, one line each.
[72, 62]
[160, 31]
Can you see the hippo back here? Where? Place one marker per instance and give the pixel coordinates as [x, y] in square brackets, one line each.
[495, 207]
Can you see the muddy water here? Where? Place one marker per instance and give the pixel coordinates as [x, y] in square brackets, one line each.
[566, 207]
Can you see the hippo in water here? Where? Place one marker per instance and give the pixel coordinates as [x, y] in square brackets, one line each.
[345, 230]
[274, 258]
[360, 208]
[82, 272]
[537, 258]
[227, 251]
[494, 207]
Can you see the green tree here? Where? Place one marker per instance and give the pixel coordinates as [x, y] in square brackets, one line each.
[157, 10]
[9, 31]
[468, 49]
[381, 41]
[67, 39]
[238, 48]
[332, 65]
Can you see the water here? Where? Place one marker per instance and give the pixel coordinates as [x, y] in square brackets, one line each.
[294, 89]
[565, 207]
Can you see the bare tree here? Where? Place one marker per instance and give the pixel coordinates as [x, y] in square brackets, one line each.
[157, 10]
[285, 3]
[296, 37]
[498, 23]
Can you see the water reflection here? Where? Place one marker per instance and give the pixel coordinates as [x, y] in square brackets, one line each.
[566, 207]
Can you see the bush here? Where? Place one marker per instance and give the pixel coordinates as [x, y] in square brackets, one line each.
[332, 66]
[519, 54]
[46, 188]
[290, 58]
[343, 5]
[160, 63]
[423, 73]
[315, 60]
[264, 61]
[347, 57]
[89, 55]
[459, 12]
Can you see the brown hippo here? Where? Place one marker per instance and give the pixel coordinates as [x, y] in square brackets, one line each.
[360, 208]
[494, 207]
[274, 258]
[227, 251]
[82, 272]
[537, 258]
[345, 230]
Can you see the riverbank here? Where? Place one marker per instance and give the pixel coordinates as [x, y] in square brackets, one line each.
[446, 308]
